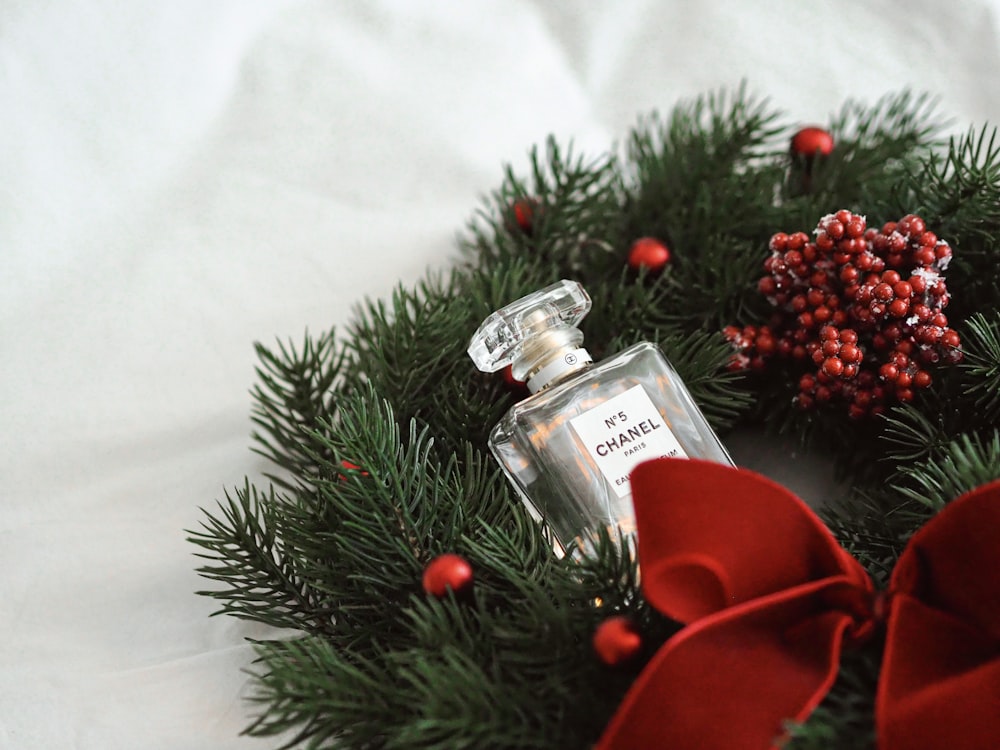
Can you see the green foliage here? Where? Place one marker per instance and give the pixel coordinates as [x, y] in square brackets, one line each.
[981, 345]
[378, 432]
[960, 466]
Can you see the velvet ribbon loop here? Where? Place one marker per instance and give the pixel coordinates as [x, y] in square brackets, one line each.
[769, 599]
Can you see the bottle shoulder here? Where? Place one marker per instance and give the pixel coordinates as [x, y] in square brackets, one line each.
[642, 363]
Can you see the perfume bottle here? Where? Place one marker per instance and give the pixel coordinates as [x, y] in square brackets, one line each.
[569, 448]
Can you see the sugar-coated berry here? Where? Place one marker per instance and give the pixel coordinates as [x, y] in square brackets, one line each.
[833, 366]
[850, 353]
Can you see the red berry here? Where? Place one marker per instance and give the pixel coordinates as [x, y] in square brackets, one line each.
[616, 640]
[523, 212]
[882, 292]
[509, 379]
[898, 308]
[951, 338]
[648, 253]
[765, 345]
[811, 141]
[855, 227]
[850, 353]
[351, 467]
[447, 572]
[924, 257]
[854, 411]
[833, 366]
[797, 241]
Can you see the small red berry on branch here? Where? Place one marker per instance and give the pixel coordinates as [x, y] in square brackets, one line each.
[447, 572]
[648, 253]
[616, 640]
[861, 307]
[522, 216]
[352, 467]
[808, 142]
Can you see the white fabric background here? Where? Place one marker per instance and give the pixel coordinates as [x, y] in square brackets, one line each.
[178, 180]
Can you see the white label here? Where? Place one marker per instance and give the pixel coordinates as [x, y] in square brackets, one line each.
[623, 432]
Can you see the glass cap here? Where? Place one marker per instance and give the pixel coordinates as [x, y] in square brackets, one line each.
[501, 338]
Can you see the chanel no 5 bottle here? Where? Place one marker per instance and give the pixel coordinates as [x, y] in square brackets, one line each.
[569, 448]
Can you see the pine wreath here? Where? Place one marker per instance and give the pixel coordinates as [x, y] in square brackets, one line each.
[378, 432]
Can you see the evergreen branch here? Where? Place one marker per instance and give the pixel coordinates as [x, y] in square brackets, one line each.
[412, 351]
[246, 552]
[910, 435]
[981, 347]
[959, 189]
[314, 693]
[962, 465]
[960, 195]
[897, 121]
[294, 394]
[703, 171]
[876, 146]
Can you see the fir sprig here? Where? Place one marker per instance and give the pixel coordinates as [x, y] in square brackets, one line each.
[245, 547]
[960, 466]
[296, 393]
[982, 365]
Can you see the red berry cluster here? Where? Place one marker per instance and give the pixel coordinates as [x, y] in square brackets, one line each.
[860, 308]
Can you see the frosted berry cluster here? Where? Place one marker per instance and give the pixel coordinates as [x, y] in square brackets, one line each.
[861, 310]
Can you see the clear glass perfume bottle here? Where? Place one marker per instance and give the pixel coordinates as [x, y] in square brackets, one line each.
[569, 448]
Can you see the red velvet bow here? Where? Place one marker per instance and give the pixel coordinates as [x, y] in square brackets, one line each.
[769, 598]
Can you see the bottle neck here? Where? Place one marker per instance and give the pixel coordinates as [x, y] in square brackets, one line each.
[560, 364]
